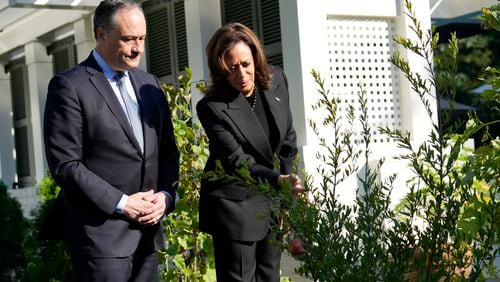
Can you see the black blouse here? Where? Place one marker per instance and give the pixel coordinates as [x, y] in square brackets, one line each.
[261, 110]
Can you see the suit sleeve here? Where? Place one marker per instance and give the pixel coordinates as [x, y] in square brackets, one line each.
[288, 151]
[63, 136]
[226, 148]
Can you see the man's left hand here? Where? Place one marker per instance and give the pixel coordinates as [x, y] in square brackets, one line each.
[156, 212]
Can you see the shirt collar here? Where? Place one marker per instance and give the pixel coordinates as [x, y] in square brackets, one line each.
[108, 72]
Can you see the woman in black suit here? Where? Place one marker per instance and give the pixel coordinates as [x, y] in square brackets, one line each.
[247, 118]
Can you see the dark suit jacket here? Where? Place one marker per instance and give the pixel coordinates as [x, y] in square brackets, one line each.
[236, 137]
[93, 155]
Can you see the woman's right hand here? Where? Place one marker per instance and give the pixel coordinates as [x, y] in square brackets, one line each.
[294, 181]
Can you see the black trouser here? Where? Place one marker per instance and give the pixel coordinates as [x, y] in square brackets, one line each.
[133, 268]
[247, 261]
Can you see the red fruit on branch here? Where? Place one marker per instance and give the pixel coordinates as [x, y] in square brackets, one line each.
[296, 247]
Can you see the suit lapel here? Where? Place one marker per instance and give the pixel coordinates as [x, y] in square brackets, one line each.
[249, 126]
[101, 83]
[276, 108]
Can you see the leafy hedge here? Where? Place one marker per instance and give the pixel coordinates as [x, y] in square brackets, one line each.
[12, 228]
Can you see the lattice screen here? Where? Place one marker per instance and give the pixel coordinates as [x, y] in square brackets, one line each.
[359, 51]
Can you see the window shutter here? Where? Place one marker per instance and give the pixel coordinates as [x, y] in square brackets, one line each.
[271, 31]
[63, 53]
[180, 36]
[166, 40]
[18, 97]
[22, 153]
[158, 41]
[22, 131]
[275, 60]
[263, 17]
[238, 11]
[61, 59]
[271, 26]
[75, 54]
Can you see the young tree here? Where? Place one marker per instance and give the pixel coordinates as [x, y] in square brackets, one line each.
[189, 253]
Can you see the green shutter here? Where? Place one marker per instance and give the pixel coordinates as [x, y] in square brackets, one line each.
[180, 36]
[158, 42]
[64, 54]
[75, 55]
[20, 107]
[22, 152]
[275, 60]
[271, 27]
[17, 81]
[61, 60]
[263, 17]
[238, 11]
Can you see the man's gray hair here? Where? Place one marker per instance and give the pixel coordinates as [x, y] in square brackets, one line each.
[106, 10]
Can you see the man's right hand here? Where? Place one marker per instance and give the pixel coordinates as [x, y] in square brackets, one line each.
[137, 206]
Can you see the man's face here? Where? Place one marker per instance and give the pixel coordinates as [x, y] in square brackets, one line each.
[123, 45]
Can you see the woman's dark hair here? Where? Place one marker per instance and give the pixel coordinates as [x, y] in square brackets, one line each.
[219, 45]
[106, 10]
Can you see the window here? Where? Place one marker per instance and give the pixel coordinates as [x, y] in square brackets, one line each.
[263, 17]
[167, 54]
[22, 129]
[64, 54]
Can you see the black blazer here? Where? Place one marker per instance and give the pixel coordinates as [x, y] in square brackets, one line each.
[93, 155]
[235, 137]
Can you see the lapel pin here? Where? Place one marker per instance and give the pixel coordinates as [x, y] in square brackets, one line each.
[277, 99]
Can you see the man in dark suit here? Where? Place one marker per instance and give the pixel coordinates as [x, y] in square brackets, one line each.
[110, 146]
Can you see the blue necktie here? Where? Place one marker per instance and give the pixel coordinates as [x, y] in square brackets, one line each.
[132, 115]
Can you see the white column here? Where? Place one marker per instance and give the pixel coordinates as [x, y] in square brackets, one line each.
[7, 162]
[203, 18]
[415, 117]
[39, 66]
[303, 51]
[84, 37]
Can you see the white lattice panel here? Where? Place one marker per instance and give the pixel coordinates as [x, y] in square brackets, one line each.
[359, 51]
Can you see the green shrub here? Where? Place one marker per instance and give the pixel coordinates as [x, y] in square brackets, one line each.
[189, 253]
[12, 228]
[46, 260]
[455, 190]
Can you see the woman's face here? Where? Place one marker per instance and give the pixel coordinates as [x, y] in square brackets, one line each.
[241, 74]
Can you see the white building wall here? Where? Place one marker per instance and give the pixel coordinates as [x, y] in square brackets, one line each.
[315, 34]
[203, 18]
[84, 37]
[39, 66]
[35, 23]
[27, 197]
[416, 119]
